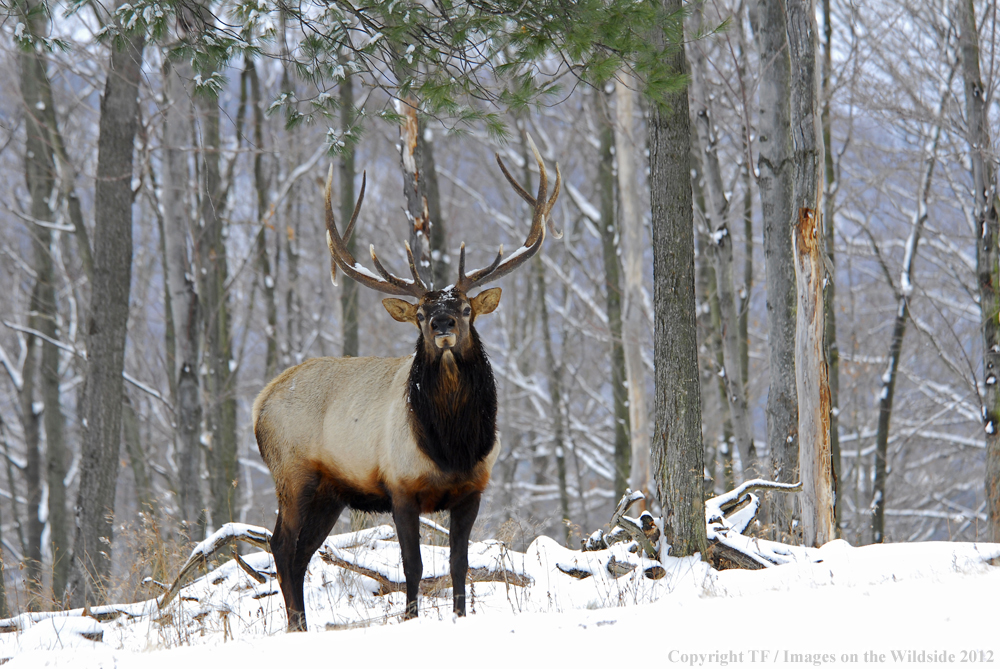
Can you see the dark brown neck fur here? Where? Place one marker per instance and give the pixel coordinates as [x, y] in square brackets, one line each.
[453, 405]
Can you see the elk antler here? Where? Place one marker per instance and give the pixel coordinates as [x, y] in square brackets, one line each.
[542, 205]
[341, 257]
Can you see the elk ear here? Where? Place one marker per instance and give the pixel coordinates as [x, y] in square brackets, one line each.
[486, 302]
[401, 310]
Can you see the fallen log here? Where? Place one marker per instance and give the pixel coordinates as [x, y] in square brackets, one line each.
[393, 582]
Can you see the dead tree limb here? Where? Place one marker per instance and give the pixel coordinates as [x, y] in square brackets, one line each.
[427, 585]
[222, 537]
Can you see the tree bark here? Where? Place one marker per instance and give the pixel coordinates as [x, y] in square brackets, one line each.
[137, 457]
[263, 213]
[439, 240]
[349, 293]
[678, 452]
[106, 325]
[775, 182]
[812, 383]
[184, 303]
[610, 235]
[423, 208]
[830, 294]
[39, 173]
[811, 375]
[631, 235]
[987, 253]
[213, 272]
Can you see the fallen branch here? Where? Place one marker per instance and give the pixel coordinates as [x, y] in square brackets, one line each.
[642, 530]
[222, 537]
[390, 583]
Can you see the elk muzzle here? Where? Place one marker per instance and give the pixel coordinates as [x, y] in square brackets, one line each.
[443, 327]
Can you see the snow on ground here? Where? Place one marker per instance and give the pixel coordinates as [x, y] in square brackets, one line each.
[932, 603]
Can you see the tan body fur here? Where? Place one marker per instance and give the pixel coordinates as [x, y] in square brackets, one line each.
[348, 420]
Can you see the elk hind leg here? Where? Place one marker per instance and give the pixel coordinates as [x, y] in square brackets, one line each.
[463, 516]
[316, 512]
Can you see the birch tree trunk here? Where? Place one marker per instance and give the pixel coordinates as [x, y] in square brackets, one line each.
[987, 254]
[632, 244]
[775, 168]
[106, 325]
[184, 304]
[811, 375]
[678, 451]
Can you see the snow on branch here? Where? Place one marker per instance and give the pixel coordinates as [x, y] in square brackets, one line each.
[225, 535]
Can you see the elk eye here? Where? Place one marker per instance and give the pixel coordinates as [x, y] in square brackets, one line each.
[467, 311]
[420, 317]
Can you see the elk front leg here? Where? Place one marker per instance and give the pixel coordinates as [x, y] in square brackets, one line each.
[406, 515]
[463, 516]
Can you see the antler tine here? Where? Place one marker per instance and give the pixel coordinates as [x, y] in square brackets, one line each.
[513, 182]
[413, 266]
[342, 258]
[357, 206]
[542, 205]
[414, 288]
[466, 283]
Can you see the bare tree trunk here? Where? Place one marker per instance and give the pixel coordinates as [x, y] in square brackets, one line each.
[678, 451]
[630, 222]
[812, 383]
[439, 240]
[349, 293]
[613, 294]
[553, 370]
[987, 256]
[715, 343]
[903, 293]
[263, 256]
[107, 321]
[811, 376]
[721, 252]
[30, 421]
[39, 167]
[415, 188]
[830, 294]
[213, 266]
[4, 607]
[184, 303]
[775, 167]
[137, 457]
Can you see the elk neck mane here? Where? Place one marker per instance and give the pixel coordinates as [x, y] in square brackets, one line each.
[453, 415]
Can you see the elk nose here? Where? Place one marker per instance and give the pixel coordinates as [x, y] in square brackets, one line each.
[442, 323]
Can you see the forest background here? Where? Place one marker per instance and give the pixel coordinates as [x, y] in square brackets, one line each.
[164, 165]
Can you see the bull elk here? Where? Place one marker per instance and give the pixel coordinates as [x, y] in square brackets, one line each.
[406, 435]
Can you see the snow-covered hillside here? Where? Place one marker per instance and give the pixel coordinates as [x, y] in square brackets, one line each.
[888, 604]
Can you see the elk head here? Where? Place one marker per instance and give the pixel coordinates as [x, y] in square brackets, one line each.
[443, 317]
